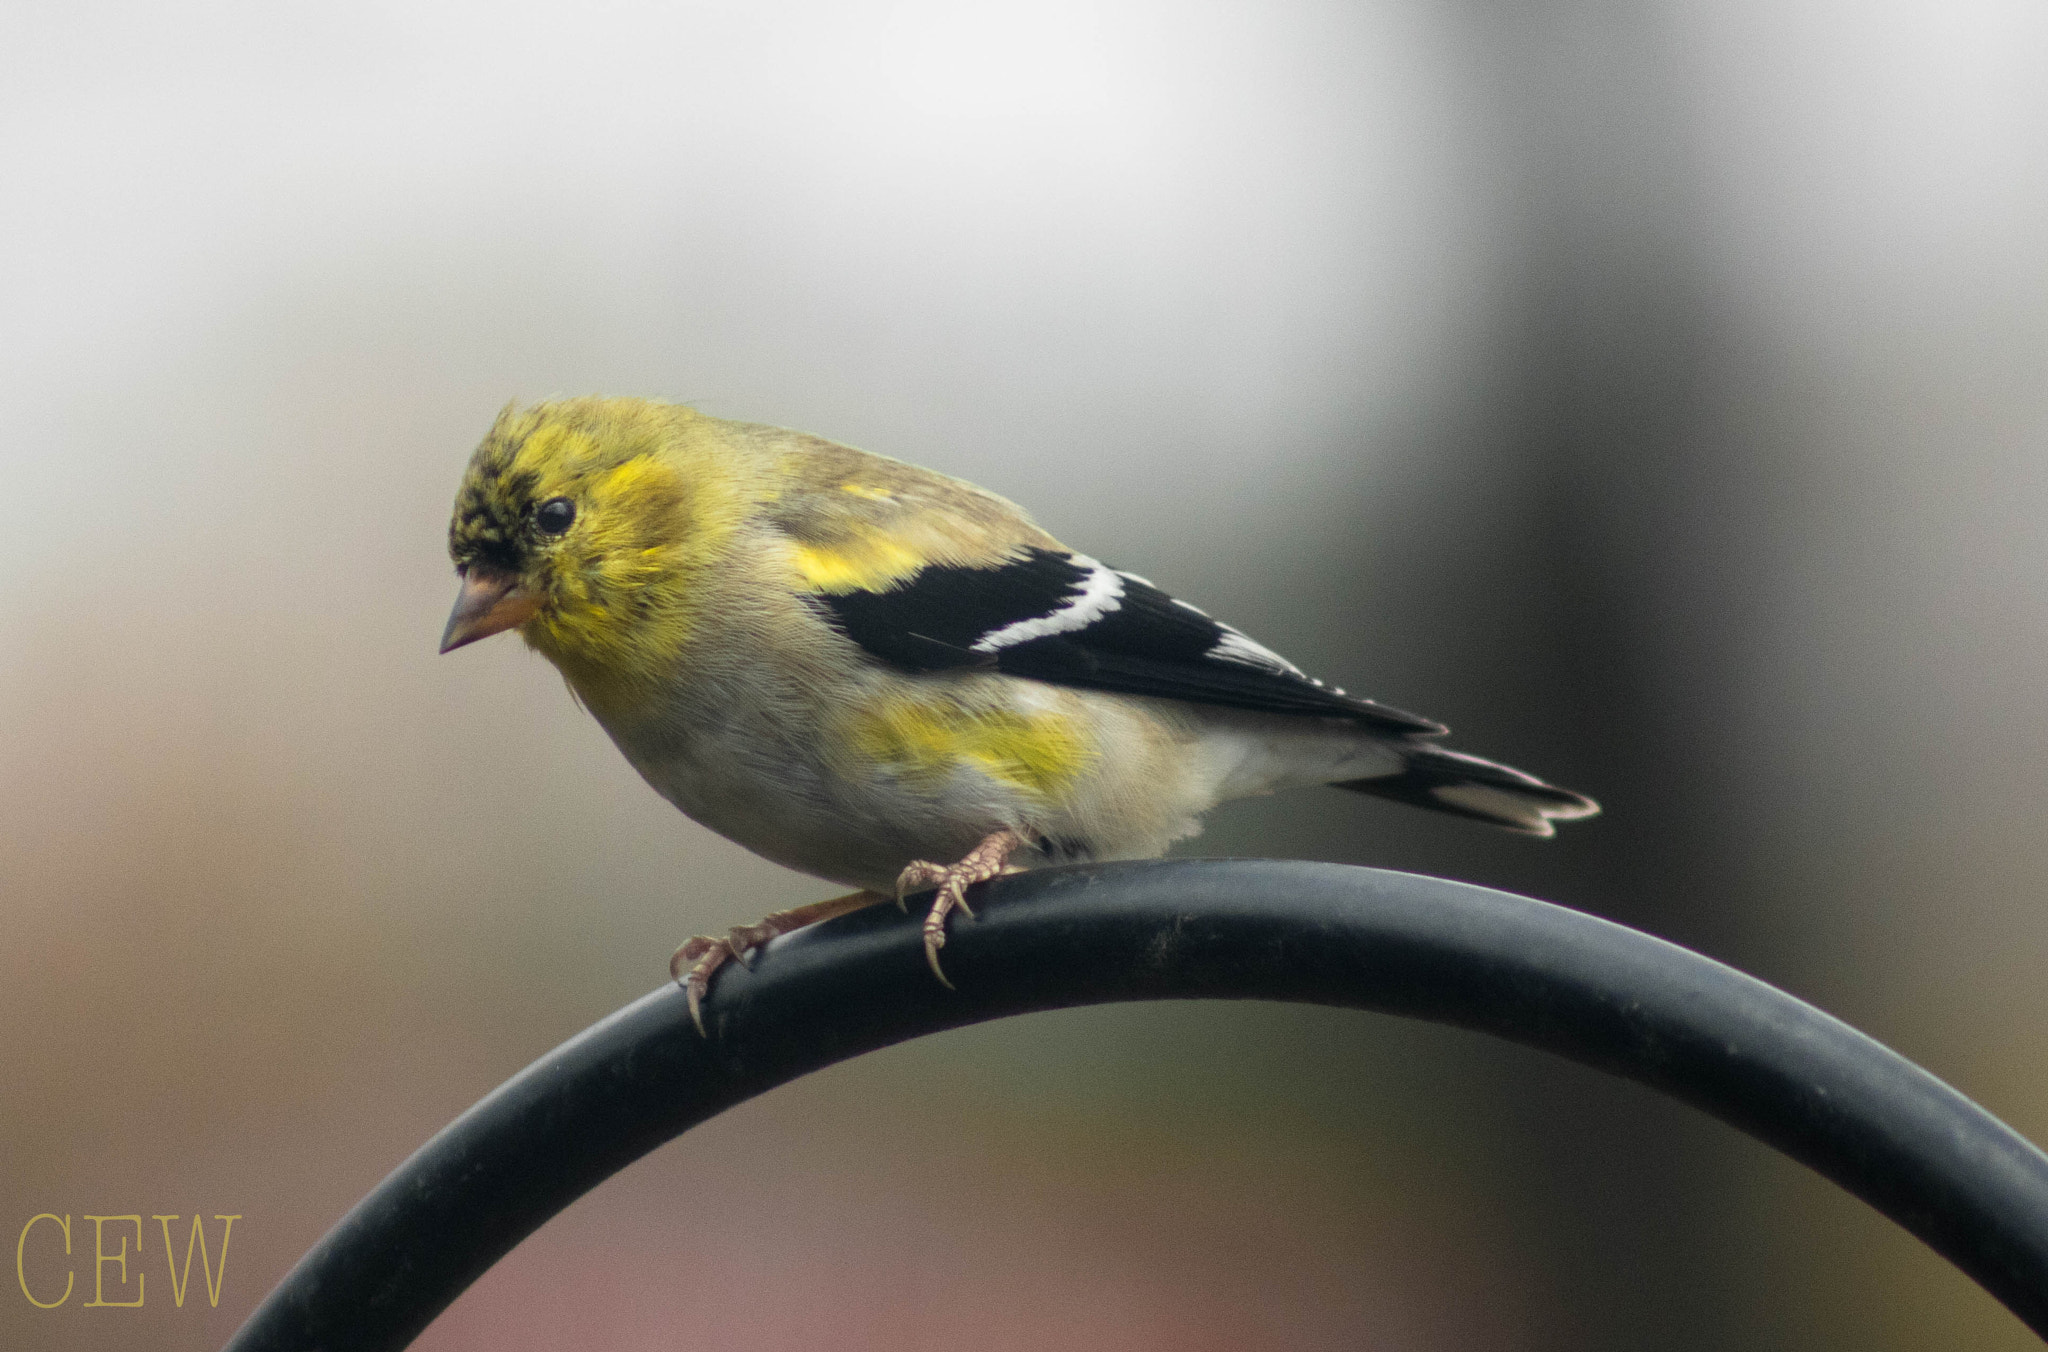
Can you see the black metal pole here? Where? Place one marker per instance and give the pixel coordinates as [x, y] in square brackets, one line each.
[1426, 948]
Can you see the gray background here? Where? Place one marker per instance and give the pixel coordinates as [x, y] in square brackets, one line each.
[1653, 392]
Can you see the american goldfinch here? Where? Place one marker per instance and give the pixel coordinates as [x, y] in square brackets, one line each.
[888, 678]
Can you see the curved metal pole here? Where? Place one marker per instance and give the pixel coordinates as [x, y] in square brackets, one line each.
[1327, 934]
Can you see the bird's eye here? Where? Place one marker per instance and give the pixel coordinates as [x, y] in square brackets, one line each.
[554, 515]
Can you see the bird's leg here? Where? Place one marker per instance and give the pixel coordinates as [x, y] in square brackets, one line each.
[706, 954]
[990, 859]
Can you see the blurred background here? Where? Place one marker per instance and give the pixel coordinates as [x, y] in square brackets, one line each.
[1653, 392]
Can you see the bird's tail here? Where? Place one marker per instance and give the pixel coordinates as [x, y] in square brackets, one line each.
[1450, 781]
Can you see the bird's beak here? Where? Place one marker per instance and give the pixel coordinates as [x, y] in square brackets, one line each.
[490, 602]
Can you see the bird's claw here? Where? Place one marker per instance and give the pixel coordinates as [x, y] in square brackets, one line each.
[990, 859]
[935, 937]
[705, 954]
[742, 940]
[917, 875]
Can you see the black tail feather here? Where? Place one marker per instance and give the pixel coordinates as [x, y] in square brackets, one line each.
[1466, 786]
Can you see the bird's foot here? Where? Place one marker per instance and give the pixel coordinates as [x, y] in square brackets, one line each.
[704, 955]
[990, 859]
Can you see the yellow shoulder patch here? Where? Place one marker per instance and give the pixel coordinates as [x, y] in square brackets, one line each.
[867, 560]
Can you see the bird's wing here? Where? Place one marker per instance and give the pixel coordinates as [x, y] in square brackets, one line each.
[1057, 616]
[930, 573]
[856, 520]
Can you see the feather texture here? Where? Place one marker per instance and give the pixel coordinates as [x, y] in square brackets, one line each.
[1061, 617]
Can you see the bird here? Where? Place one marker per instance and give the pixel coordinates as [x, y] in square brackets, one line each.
[889, 678]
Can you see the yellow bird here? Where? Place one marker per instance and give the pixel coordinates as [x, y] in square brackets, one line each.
[888, 678]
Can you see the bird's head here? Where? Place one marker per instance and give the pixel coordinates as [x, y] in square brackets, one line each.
[579, 523]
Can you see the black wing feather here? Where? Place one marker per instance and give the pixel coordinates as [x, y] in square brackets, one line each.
[1140, 641]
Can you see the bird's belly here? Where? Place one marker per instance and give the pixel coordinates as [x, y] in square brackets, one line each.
[857, 800]
[802, 813]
